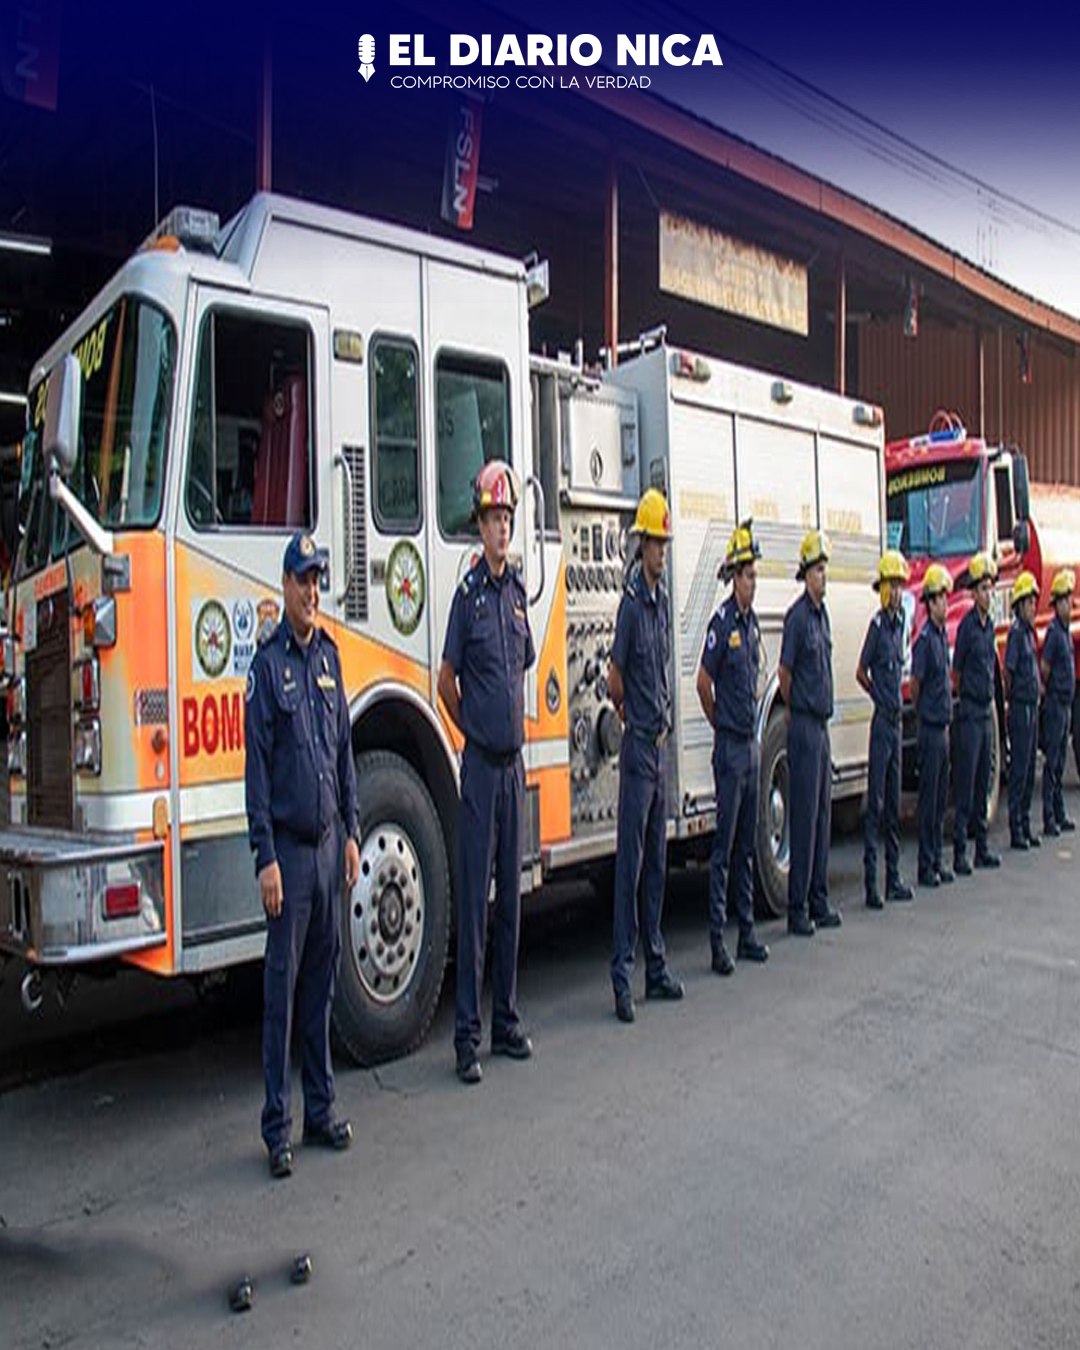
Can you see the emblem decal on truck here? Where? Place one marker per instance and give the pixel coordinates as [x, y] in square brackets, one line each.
[405, 587]
[213, 638]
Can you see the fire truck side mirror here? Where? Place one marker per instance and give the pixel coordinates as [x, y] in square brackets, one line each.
[62, 408]
[1021, 494]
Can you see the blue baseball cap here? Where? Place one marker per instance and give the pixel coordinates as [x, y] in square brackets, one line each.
[301, 555]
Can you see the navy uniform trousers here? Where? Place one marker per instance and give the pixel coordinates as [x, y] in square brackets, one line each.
[735, 772]
[809, 814]
[490, 835]
[883, 798]
[1023, 733]
[641, 858]
[933, 743]
[973, 739]
[1056, 717]
[303, 947]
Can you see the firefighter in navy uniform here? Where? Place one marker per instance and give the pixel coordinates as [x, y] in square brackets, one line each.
[931, 691]
[806, 686]
[639, 684]
[300, 788]
[879, 672]
[727, 684]
[1022, 692]
[1058, 667]
[488, 649]
[974, 664]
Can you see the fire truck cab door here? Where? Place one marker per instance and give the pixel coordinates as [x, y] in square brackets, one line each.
[254, 466]
[476, 338]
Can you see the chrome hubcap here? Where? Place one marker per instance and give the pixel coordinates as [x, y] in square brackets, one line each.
[386, 916]
[779, 841]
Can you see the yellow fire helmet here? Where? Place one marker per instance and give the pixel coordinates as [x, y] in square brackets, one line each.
[496, 485]
[892, 571]
[1024, 585]
[892, 567]
[1063, 584]
[980, 567]
[937, 580]
[653, 517]
[742, 548]
[814, 549]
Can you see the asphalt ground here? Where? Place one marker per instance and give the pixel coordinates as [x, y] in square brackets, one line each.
[870, 1142]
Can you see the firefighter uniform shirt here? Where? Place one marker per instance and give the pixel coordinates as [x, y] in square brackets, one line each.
[930, 666]
[299, 769]
[883, 660]
[1022, 663]
[732, 660]
[1058, 655]
[489, 646]
[807, 652]
[642, 650]
[974, 661]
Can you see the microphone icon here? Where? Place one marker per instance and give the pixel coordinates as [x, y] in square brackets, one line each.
[366, 53]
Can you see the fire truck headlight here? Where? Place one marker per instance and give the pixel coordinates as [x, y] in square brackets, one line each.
[99, 622]
[86, 684]
[87, 755]
[17, 753]
[16, 702]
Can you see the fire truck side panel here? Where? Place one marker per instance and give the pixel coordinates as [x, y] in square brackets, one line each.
[800, 459]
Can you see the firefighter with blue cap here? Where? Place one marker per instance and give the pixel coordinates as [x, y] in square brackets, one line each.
[640, 686]
[1022, 692]
[806, 686]
[727, 685]
[975, 669]
[300, 789]
[488, 649]
[880, 672]
[1058, 667]
[931, 691]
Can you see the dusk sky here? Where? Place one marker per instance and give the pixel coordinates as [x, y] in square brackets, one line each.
[993, 93]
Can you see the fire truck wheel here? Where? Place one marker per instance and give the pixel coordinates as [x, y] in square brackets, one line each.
[1076, 730]
[395, 925]
[994, 790]
[773, 835]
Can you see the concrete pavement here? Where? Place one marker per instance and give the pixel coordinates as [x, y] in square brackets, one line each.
[871, 1142]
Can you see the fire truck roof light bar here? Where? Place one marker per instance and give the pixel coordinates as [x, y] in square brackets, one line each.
[946, 436]
[190, 226]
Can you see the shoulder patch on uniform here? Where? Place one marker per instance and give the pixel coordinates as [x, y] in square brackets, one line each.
[249, 688]
[710, 641]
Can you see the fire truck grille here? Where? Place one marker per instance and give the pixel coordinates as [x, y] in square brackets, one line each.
[151, 707]
[48, 718]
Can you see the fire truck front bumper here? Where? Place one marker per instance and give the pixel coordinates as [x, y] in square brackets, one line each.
[67, 898]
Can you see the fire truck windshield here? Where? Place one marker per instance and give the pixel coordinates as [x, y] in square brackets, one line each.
[937, 510]
[128, 363]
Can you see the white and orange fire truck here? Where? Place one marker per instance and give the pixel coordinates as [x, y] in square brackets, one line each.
[302, 367]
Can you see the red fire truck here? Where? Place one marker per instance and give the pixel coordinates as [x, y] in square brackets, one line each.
[950, 495]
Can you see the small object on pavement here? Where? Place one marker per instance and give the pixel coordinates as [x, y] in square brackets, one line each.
[301, 1269]
[242, 1295]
